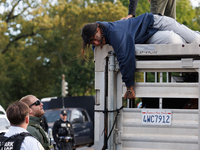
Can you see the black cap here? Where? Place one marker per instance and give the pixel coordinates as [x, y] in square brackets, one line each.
[63, 112]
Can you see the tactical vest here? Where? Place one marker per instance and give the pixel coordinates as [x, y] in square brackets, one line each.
[64, 129]
[46, 143]
[13, 142]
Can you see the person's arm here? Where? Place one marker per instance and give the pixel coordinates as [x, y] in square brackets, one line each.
[124, 47]
[71, 129]
[132, 9]
[55, 131]
[31, 143]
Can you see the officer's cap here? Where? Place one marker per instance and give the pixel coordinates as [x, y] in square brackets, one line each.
[63, 112]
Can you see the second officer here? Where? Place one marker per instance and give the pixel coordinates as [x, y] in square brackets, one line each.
[63, 132]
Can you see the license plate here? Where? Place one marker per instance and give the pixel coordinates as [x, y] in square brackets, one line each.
[156, 117]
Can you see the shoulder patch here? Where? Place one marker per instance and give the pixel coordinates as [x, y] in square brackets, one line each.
[40, 146]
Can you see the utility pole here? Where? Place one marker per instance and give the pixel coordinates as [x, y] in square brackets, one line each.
[64, 89]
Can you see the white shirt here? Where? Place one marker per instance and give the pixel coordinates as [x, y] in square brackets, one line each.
[29, 143]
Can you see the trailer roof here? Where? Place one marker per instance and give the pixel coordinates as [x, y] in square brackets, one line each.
[167, 51]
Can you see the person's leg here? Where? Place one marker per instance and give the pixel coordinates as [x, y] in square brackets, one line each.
[170, 9]
[165, 37]
[164, 23]
[158, 6]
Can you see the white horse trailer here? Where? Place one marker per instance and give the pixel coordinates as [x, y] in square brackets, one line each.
[162, 126]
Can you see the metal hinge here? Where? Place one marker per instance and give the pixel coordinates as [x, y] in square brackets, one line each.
[118, 136]
[116, 65]
[113, 65]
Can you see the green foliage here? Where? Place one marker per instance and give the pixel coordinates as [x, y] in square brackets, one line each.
[125, 3]
[142, 7]
[185, 13]
[41, 41]
[38, 46]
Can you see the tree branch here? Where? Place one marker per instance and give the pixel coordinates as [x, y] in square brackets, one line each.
[9, 18]
[23, 36]
[11, 12]
[88, 90]
[19, 37]
[60, 58]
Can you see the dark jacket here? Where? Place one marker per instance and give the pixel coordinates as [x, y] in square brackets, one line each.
[44, 124]
[37, 131]
[122, 35]
[62, 128]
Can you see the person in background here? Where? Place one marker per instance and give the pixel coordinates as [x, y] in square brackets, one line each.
[132, 9]
[63, 128]
[18, 115]
[163, 7]
[36, 112]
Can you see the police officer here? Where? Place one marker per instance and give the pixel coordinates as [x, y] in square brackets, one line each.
[63, 132]
[36, 111]
[18, 115]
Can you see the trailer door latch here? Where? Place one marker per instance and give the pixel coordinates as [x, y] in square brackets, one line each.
[187, 62]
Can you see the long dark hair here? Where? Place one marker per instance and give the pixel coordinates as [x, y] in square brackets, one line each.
[88, 31]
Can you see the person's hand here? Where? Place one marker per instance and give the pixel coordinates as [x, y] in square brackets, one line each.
[127, 17]
[130, 93]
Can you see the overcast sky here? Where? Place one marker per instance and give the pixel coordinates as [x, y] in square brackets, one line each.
[195, 2]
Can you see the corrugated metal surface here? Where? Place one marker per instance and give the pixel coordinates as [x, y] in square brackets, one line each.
[130, 133]
[182, 134]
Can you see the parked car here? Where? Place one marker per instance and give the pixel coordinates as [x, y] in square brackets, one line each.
[81, 122]
[2, 111]
[4, 123]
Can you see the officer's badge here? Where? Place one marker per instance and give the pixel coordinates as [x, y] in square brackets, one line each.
[68, 125]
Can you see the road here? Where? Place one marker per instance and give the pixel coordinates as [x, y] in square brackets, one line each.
[86, 148]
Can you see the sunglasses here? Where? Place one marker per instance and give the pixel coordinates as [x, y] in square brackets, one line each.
[38, 102]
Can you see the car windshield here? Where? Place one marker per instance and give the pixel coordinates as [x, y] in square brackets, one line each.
[53, 115]
[4, 124]
[2, 113]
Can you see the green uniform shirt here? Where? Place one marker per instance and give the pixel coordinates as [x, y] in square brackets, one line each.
[37, 131]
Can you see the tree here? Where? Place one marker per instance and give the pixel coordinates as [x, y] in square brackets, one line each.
[185, 13]
[40, 41]
[46, 45]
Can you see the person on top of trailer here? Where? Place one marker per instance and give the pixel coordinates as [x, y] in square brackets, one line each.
[122, 35]
[163, 7]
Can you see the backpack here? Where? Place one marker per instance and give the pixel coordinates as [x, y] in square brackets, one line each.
[13, 142]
